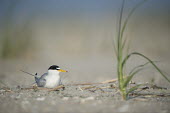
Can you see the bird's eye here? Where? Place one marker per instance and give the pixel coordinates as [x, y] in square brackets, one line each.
[58, 68]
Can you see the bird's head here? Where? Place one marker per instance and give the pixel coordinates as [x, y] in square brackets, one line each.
[55, 68]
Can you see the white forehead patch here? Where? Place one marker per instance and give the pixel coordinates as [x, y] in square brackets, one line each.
[58, 68]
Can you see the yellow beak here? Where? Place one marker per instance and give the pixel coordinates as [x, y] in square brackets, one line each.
[62, 70]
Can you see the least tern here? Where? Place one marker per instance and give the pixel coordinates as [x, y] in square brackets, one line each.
[51, 79]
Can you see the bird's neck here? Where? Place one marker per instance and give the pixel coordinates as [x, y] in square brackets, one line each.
[53, 72]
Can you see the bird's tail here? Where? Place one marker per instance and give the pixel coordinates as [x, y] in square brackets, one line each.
[28, 73]
[35, 76]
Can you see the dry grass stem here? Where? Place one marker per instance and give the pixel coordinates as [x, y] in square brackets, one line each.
[109, 81]
[7, 90]
[89, 87]
[42, 88]
[104, 82]
[57, 88]
[141, 99]
[80, 88]
[151, 95]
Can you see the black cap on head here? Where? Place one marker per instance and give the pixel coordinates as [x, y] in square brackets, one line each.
[54, 67]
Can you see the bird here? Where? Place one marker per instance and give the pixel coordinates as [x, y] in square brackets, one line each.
[51, 79]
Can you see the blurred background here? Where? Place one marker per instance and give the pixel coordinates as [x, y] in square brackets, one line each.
[78, 36]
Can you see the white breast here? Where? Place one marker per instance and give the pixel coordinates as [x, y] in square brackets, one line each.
[52, 81]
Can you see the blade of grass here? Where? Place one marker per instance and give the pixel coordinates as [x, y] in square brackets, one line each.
[115, 50]
[140, 66]
[129, 78]
[133, 88]
[124, 43]
[137, 67]
[151, 62]
[129, 15]
[119, 41]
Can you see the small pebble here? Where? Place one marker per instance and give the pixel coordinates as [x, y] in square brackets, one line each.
[17, 97]
[65, 98]
[87, 99]
[41, 99]
[2, 90]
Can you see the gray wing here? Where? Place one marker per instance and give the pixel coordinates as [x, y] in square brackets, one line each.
[41, 81]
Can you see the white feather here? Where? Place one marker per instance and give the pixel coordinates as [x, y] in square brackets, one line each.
[52, 79]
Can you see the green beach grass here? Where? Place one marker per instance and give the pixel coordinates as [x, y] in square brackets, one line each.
[120, 45]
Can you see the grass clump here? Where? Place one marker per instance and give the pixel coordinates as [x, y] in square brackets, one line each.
[122, 59]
